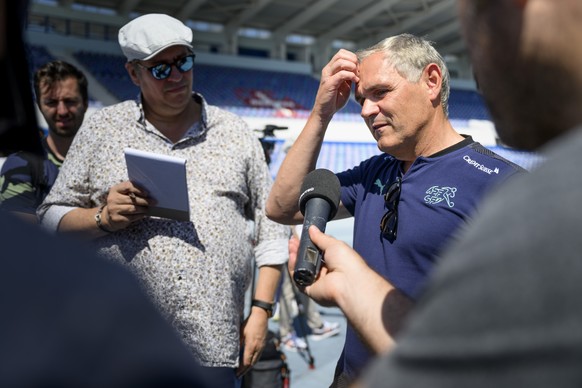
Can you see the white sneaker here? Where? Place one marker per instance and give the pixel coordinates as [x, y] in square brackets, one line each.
[328, 329]
[293, 343]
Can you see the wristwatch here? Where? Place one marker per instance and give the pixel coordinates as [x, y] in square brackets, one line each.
[268, 307]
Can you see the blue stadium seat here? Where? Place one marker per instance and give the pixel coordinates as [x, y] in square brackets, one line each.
[38, 56]
[261, 93]
[258, 93]
[109, 70]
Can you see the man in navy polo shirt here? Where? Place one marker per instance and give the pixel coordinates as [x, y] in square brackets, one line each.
[409, 201]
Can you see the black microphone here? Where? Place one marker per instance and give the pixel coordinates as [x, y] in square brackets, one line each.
[318, 202]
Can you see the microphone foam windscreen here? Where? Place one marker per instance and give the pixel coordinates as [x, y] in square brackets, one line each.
[320, 183]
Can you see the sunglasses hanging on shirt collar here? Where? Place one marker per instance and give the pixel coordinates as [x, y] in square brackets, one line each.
[389, 222]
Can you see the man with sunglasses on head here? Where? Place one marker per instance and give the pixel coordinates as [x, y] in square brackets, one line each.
[197, 271]
[409, 201]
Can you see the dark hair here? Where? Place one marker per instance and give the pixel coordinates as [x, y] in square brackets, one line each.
[55, 71]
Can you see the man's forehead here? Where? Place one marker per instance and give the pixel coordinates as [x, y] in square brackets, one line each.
[378, 72]
[68, 86]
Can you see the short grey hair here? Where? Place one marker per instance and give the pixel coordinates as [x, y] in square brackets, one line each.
[410, 54]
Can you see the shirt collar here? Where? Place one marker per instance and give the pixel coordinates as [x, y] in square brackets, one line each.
[196, 130]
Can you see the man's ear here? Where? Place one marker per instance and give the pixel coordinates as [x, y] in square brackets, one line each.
[130, 67]
[520, 3]
[433, 78]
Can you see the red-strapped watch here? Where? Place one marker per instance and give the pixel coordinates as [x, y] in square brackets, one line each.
[268, 307]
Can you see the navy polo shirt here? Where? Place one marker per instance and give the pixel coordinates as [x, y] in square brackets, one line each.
[438, 194]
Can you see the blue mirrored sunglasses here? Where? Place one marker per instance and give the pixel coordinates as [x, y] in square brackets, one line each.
[163, 70]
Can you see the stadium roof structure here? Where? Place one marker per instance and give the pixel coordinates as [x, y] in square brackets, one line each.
[322, 26]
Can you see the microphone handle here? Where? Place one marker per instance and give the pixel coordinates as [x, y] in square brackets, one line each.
[317, 211]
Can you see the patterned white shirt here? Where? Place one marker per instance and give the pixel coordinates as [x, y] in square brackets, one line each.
[197, 272]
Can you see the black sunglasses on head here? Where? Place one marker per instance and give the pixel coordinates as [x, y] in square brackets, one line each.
[389, 222]
[163, 70]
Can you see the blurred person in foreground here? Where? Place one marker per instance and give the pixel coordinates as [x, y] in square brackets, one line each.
[70, 319]
[62, 98]
[409, 201]
[196, 271]
[503, 307]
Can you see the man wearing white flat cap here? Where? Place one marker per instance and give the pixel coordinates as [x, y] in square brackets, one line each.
[197, 271]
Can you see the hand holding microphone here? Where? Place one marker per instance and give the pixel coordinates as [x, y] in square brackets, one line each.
[318, 202]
